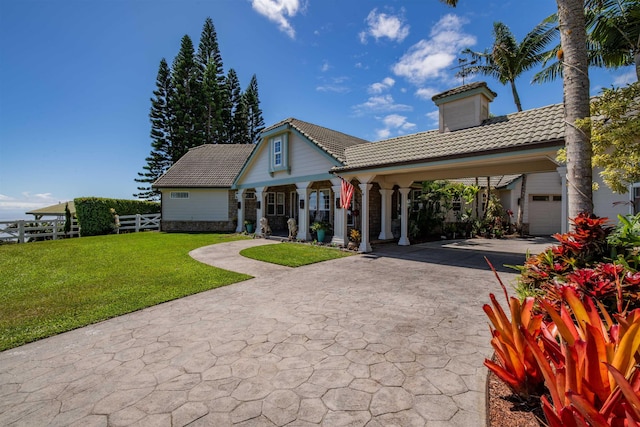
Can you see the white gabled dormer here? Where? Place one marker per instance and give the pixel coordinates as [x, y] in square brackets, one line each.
[463, 107]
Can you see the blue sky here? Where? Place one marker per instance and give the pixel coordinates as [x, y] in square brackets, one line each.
[76, 76]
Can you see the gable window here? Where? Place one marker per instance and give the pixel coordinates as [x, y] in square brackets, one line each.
[179, 194]
[278, 154]
[275, 204]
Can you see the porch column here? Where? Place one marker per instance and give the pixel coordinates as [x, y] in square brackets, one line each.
[564, 221]
[385, 214]
[303, 211]
[404, 218]
[240, 200]
[340, 236]
[364, 215]
[260, 207]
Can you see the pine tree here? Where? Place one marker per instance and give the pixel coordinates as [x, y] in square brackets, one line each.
[213, 79]
[187, 129]
[159, 159]
[256, 122]
[241, 134]
[232, 93]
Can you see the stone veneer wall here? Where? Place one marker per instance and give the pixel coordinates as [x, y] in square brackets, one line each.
[375, 206]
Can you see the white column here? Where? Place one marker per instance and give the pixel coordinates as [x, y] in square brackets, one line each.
[385, 214]
[303, 212]
[365, 246]
[404, 219]
[564, 223]
[340, 236]
[240, 201]
[259, 208]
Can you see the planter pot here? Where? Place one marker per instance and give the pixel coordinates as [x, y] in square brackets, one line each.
[249, 228]
[320, 235]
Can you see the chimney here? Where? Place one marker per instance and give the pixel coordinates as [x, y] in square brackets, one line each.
[463, 107]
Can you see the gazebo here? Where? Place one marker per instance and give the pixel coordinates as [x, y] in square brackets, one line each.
[57, 210]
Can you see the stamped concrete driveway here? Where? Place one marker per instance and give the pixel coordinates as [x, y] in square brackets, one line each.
[396, 337]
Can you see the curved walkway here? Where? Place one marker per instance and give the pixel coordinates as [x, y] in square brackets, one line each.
[396, 337]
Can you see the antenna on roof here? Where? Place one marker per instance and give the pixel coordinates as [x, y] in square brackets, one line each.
[465, 66]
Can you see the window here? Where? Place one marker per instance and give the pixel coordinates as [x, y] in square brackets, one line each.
[179, 194]
[249, 195]
[457, 204]
[319, 205]
[557, 198]
[275, 204]
[277, 152]
[540, 198]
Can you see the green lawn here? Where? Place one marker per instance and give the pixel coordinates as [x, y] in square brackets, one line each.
[55, 286]
[293, 254]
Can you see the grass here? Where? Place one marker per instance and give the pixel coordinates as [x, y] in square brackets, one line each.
[292, 254]
[51, 287]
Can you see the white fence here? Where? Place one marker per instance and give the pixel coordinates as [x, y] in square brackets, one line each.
[140, 222]
[24, 230]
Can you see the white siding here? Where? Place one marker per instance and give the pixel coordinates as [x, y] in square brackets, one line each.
[606, 203]
[202, 205]
[304, 159]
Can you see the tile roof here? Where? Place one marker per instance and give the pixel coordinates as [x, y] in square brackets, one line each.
[461, 89]
[208, 165]
[332, 142]
[513, 131]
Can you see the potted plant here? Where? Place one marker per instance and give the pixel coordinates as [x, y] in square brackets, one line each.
[248, 224]
[320, 228]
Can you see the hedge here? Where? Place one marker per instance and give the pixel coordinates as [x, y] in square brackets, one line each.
[95, 217]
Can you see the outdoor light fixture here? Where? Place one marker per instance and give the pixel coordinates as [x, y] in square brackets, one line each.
[239, 205]
[301, 203]
[258, 204]
[337, 203]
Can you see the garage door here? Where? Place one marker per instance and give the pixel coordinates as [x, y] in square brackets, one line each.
[545, 211]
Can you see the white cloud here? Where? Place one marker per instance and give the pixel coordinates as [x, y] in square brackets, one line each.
[394, 123]
[15, 207]
[625, 79]
[380, 104]
[430, 58]
[335, 84]
[434, 117]
[380, 87]
[277, 11]
[381, 25]
[426, 93]
[325, 66]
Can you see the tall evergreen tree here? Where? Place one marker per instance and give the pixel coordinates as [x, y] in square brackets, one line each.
[231, 99]
[159, 160]
[256, 122]
[213, 79]
[241, 128]
[186, 124]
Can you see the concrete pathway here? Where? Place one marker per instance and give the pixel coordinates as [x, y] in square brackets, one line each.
[396, 337]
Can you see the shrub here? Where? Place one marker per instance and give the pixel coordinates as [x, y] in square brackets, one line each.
[95, 217]
[586, 356]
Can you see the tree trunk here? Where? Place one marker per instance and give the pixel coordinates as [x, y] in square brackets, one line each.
[516, 97]
[573, 38]
[521, 205]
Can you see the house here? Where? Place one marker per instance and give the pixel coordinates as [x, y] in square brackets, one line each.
[58, 211]
[196, 193]
[297, 168]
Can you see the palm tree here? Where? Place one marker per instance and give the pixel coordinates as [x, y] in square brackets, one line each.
[508, 59]
[613, 31]
[573, 39]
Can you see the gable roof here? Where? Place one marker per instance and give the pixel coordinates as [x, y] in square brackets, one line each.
[330, 141]
[209, 165]
[527, 129]
[54, 210]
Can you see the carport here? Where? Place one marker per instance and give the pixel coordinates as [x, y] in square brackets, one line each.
[519, 143]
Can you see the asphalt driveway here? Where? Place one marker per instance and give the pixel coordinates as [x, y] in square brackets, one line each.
[395, 337]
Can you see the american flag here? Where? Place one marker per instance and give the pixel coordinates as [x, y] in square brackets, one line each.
[346, 193]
